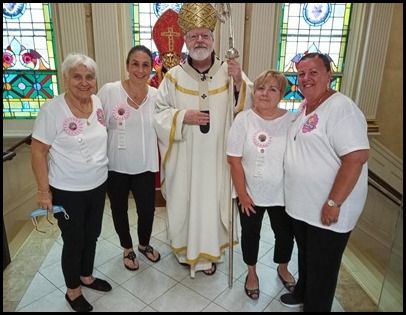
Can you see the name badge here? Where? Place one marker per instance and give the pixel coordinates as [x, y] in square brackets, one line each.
[259, 163]
[121, 135]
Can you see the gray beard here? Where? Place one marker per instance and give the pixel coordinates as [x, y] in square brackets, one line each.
[200, 54]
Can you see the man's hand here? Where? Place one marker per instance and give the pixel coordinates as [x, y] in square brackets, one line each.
[196, 117]
[234, 70]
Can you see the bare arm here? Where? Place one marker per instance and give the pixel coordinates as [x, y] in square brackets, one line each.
[238, 176]
[39, 160]
[347, 177]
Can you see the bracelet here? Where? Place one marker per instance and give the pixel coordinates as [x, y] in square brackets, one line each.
[44, 192]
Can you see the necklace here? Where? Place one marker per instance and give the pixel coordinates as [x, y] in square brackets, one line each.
[135, 103]
[298, 129]
[317, 104]
[81, 110]
[132, 99]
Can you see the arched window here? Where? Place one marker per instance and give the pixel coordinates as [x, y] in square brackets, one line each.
[29, 62]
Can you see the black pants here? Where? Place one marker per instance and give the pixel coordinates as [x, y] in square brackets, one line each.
[281, 224]
[80, 232]
[319, 255]
[142, 187]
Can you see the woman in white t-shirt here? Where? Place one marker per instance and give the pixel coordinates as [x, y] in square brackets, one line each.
[326, 181]
[255, 149]
[69, 160]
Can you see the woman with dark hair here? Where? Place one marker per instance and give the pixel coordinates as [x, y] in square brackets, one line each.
[133, 152]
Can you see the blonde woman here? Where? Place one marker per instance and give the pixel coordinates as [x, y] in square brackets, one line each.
[255, 149]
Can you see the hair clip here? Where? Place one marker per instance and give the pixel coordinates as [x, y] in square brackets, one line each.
[41, 212]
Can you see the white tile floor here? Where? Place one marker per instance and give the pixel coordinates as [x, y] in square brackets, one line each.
[164, 286]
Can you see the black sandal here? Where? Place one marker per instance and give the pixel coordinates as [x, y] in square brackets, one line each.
[133, 257]
[211, 271]
[289, 285]
[251, 293]
[149, 249]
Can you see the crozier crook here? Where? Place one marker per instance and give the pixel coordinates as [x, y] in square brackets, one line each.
[223, 11]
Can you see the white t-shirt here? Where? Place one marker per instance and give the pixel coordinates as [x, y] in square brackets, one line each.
[337, 127]
[78, 153]
[261, 144]
[132, 140]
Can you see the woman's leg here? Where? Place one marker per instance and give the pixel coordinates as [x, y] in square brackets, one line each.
[143, 190]
[118, 188]
[281, 224]
[250, 237]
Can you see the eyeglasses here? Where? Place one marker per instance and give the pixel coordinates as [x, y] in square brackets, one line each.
[196, 36]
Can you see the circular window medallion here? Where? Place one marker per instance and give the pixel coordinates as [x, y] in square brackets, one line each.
[316, 14]
[13, 10]
[159, 8]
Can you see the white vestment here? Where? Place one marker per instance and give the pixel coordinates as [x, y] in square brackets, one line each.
[195, 175]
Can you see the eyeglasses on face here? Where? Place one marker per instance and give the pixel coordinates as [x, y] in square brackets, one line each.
[204, 36]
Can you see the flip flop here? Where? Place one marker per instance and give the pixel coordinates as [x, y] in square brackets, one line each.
[149, 249]
[290, 286]
[211, 271]
[133, 257]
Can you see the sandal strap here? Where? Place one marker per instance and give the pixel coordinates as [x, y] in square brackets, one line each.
[131, 256]
[253, 291]
[149, 249]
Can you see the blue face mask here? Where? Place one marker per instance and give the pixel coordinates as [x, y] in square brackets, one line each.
[41, 212]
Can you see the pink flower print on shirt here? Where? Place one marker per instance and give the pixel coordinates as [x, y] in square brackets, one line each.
[310, 124]
[121, 112]
[262, 139]
[73, 126]
[100, 116]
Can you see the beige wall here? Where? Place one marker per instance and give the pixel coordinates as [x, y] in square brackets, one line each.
[390, 110]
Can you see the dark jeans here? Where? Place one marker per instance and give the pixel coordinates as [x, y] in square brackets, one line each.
[319, 255]
[142, 187]
[281, 224]
[80, 232]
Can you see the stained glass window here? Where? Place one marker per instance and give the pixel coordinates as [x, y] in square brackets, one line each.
[29, 64]
[305, 27]
[312, 27]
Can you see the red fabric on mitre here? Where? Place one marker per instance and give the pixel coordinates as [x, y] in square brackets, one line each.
[167, 34]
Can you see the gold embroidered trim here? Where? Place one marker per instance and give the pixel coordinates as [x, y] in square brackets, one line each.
[194, 92]
[171, 138]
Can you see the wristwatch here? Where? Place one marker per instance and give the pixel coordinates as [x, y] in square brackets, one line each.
[332, 203]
